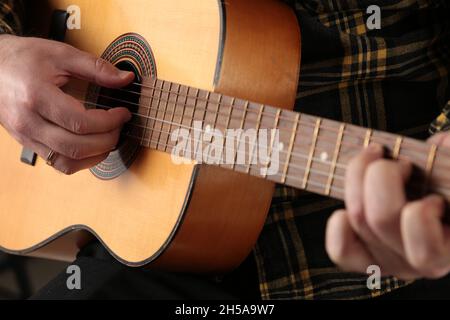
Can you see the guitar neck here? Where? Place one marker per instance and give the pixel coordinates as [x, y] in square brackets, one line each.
[290, 148]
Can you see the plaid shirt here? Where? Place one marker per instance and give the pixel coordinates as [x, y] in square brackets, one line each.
[393, 79]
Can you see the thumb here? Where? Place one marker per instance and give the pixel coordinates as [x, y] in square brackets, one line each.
[85, 66]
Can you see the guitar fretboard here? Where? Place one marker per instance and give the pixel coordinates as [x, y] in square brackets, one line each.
[312, 153]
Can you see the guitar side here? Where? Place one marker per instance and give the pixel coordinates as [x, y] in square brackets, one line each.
[185, 218]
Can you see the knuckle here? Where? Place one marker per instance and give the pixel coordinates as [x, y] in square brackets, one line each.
[65, 166]
[100, 65]
[424, 259]
[28, 98]
[79, 126]
[68, 170]
[336, 246]
[75, 153]
[358, 217]
[20, 125]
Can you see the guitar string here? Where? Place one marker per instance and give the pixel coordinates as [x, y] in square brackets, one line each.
[440, 189]
[338, 165]
[384, 140]
[171, 123]
[352, 147]
[380, 139]
[177, 94]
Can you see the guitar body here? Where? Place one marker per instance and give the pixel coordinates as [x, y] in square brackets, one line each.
[192, 218]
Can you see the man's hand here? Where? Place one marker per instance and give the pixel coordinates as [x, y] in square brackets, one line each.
[35, 111]
[380, 227]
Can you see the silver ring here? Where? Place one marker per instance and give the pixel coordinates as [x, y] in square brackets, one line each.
[52, 155]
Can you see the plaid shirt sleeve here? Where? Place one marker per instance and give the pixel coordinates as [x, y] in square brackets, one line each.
[11, 15]
[394, 79]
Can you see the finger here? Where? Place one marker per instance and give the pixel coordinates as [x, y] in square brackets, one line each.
[354, 182]
[384, 197]
[74, 146]
[426, 239]
[442, 138]
[389, 261]
[64, 164]
[68, 113]
[85, 66]
[344, 247]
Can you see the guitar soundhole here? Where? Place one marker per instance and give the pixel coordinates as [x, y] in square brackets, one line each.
[132, 53]
[127, 97]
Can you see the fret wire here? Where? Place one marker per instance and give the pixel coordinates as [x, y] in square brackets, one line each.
[272, 141]
[156, 114]
[216, 116]
[230, 110]
[258, 126]
[164, 114]
[202, 134]
[173, 115]
[367, 138]
[148, 113]
[318, 172]
[306, 124]
[431, 159]
[291, 147]
[312, 183]
[244, 114]
[311, 153]
[383, 142]
[335, 159]
[147, 86]
[397, 147]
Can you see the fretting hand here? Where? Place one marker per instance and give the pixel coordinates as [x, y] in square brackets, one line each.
[36, 112]
[381, 227]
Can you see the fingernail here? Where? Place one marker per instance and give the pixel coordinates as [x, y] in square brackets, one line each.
[125, 74]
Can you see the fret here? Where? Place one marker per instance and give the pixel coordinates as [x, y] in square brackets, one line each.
[230, 111]
[203, 120]
[197, 98]
[219, 102]
[183, 111]
[155, 121]
[272, 141]
[152, 95]
[164, 118]
[173, 116]
[311, 153]
[258, 126]
[368, 137]
[397, 147]
[335, 159]
[241, 127]
[291, 147]
[430, 160]
[192, 119]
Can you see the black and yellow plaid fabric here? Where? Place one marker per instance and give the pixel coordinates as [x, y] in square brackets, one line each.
[394, 79]
[11, 14]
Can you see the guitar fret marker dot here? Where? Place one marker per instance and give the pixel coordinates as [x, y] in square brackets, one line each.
[324, 156]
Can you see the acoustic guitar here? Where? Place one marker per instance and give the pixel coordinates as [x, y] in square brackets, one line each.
[224, 64]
